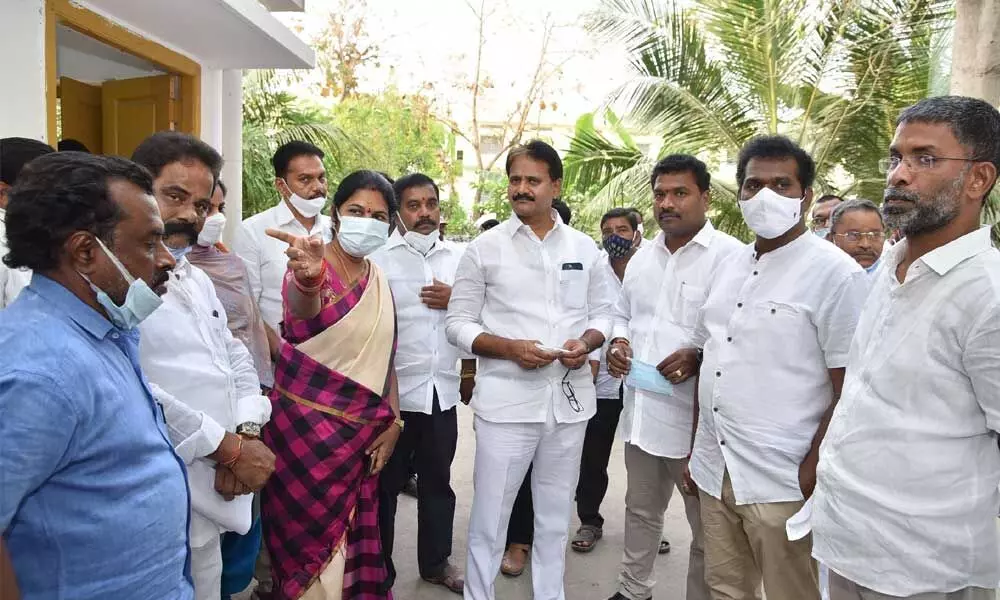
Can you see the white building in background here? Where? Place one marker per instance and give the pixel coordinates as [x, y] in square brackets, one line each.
[110, 72]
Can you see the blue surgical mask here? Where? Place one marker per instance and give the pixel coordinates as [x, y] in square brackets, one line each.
[874, 265]
[360, 236]
[644, 376]
[140, 300]
[823, 233]
[179, 253]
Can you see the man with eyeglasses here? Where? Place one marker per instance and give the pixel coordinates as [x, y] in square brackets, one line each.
[856, 227]
[531, 300]
[906, 495]
[819, 222]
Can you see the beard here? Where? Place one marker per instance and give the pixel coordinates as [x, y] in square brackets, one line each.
[923, 216]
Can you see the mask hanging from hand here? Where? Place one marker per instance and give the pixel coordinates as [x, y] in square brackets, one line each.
[360, 236]
[307, 208]
[617, 246]
[211, 231]
[769, 214]
[140, 300]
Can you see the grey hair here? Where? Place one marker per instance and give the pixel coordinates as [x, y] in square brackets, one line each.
[852, 205]
[974, 122]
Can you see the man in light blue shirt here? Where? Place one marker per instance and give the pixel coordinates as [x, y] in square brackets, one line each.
[94, 502]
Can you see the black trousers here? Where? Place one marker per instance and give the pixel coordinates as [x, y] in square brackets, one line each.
[431, 441]
[593, 483]
[521, 529]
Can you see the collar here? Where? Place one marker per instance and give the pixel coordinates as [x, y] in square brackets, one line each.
[282, 212]
[514, 223]
[703, 238]
[947, 257]
[67, 302]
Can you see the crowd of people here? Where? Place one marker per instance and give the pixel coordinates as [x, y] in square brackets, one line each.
[178, 418]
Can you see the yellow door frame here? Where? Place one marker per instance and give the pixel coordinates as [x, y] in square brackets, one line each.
[94, 25]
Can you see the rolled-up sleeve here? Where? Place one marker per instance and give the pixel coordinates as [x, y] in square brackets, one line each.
[463, 323]
[838, 317]
[37, 423]
[192, 433]
[600, 300]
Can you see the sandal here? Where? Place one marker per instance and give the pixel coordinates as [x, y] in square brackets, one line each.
[586, 538]
[664, 547]
[449, 578]
[515, 559]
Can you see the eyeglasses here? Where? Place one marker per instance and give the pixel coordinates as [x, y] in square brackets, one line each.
[857, 236]
[922, 162]
[567, 389]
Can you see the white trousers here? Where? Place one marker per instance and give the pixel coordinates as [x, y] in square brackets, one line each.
[503, 453]
[206, 570]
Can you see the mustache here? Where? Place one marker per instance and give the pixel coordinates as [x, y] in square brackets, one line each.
[523, 196]
[181, 228]
[899, 194]
[425, 221]
[669, 213]
[160, 278]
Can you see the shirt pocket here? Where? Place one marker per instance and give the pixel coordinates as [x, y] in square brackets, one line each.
[692, 299]
[573, 287]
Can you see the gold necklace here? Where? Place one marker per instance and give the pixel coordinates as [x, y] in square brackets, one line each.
[352, 282]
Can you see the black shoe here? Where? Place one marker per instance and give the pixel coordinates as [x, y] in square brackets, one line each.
[410, 488]
[619, 596]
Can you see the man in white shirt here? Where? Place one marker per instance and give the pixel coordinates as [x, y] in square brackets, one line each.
[822, 210]
[775, 327]
[656, 314]
[531, 301]
[15, 152]
[856, 227]
[300, 179]
[906, 498]
[421, 268]
[193, 362]
[619, 237]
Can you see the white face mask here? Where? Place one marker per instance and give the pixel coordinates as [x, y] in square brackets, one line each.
[421, 242]
[360, 236]
[211, 232]
[769, 214]
[307, 208]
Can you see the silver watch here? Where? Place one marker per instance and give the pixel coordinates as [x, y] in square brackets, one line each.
[248, 429]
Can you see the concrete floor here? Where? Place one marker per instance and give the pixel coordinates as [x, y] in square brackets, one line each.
[589, 576]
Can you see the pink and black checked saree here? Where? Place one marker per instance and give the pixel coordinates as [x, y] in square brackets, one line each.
[320, 508]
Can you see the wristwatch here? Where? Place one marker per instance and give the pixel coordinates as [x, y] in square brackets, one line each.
[248, 429]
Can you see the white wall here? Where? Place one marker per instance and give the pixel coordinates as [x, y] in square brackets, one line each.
[211, 107]
[22, 44]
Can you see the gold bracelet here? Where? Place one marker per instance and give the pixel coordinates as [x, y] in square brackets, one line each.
[401, 423]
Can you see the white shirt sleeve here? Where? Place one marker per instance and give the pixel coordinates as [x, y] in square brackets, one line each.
[463, 323]
[621, 314]
[247, 247]
[837, 318]
[193, 433]
[982, 363]
[251, 406]
[600, 300]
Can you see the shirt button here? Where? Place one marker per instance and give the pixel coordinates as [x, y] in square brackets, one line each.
[729, 339]
[715, 409]
[739, 305]
[115, 336]
[722, 442]
[755, 272]
[718, 373]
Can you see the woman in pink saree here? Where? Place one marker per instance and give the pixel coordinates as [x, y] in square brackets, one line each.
[335, 416]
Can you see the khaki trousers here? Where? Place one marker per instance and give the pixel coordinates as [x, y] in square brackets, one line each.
[651, 483]
[842, 588]
[745, 544]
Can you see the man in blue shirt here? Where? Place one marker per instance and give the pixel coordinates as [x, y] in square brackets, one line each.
[93, 500]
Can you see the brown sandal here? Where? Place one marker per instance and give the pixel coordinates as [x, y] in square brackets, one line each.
[515, 559]
[449, 578]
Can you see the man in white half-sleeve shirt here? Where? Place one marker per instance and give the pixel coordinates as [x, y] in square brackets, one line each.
[776, 326]
[656, 314]
[531, 301]
[421, 268]
[204, 377]
[300, 178]
[906, 498]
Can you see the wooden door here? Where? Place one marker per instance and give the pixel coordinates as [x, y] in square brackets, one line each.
[82, 118]
[134, 109]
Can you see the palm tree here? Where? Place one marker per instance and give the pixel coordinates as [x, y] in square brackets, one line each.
[830, 74]
[272, 117]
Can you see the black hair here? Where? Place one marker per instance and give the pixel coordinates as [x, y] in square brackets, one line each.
[387, 177]
[851, 206]
[222, 186]
[167, 147]
[681, 163]
[489, 224]
[365, 180]
[565, 212]
[828, 197]
[540, 151]
[62, 193]
[413, 180]
[776, 146]
[286, 153]
[15, 152]
[71, 145]
[629, 214]
[974, 122]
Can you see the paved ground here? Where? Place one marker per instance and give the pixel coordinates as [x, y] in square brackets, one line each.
[588, 576]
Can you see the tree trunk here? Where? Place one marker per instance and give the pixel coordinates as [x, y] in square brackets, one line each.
[975, 56]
